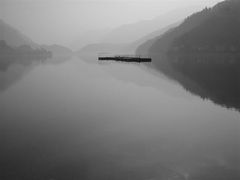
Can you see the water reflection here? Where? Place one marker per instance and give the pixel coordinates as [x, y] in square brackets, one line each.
[112, 121]
[14, 71]
[13, 74]
[218, 82]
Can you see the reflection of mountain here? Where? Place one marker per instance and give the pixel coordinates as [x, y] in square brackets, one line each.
[13, 74]
[205, 48]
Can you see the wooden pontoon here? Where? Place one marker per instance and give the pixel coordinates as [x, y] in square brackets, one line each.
[131, 58]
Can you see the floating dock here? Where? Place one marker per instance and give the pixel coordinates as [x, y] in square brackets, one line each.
[138, 59]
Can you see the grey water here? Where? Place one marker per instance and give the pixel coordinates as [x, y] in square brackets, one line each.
[78, 120]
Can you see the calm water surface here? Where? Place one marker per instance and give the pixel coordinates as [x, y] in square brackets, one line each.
[77, 120]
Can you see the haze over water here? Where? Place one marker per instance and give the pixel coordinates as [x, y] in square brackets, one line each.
[78, 120]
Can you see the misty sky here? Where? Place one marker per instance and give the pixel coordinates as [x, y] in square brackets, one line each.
[61, 21]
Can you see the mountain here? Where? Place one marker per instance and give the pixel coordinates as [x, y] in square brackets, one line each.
[160, 44]
[129, 33]
[58, 51]
[213, 30]
[103, 48]
[132, 32]
[23, 54]
[220, 33]
[145, 43]
[219, 23]
[134, 45]
[89, 37]
[91, 51]
[205, 49]
[13, 37]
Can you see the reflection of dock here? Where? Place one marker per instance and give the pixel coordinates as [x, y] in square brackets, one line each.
[126, 58]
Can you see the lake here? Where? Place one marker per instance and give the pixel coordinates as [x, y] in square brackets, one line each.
[80, 120]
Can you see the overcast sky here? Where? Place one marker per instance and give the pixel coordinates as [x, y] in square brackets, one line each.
[60, 21]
